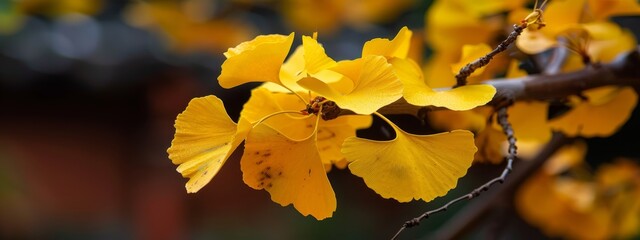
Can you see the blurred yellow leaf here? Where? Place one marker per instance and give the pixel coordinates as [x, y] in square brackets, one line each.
[472, 120]
[529, 121]
[602, 10]
[581, 208]
[489, 142]
[60, 7]
[608, 41]
[469, 54]
[187, 26]
[598, 117]
[451, 24]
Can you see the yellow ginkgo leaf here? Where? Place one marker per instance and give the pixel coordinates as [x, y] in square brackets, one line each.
[416, 92]
[529, 121]
[490, 7]
[205, 138]
[447, 120]
[436, 71]
[308, 59]
[313, 15]
[411, 166]
[375, 85]
[618, 175]
[258, 60]
[290, 72]
[589, 120]
[560, 217]
[263, 103]
[451, 24]
[396, 48]
[560, 15]
[317, 65]
[609, 40]
[570, 207]
[534, 42]
[469, 54]
[489, 142]
[290, 170]
[569, 156]
[602, 10]
[514, 70]
[330, 133]
[314, 56]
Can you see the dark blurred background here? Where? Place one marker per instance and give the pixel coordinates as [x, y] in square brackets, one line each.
[89, 91]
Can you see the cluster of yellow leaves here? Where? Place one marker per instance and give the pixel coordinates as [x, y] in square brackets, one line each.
[60, 7]
[13, 13]
[288, 151]
[582, 26]
[330, 15]
[581, 205]
[187, 25]
[458, 31]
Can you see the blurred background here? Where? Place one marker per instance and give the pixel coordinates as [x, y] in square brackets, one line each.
[89, 91]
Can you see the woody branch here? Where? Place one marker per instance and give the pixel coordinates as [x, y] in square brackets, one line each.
[623, 71]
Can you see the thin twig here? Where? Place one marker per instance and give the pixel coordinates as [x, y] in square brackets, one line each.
[466, 218]
[511, 155]
[467, 70]
[623, 71]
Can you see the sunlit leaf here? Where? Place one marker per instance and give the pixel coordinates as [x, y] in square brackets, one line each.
[314, 56]
[375, 85]
[416, 92]
[290, 170]
[330, 133]
[396, 48]
[205, 138]
[411, 166]
[258, 60]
